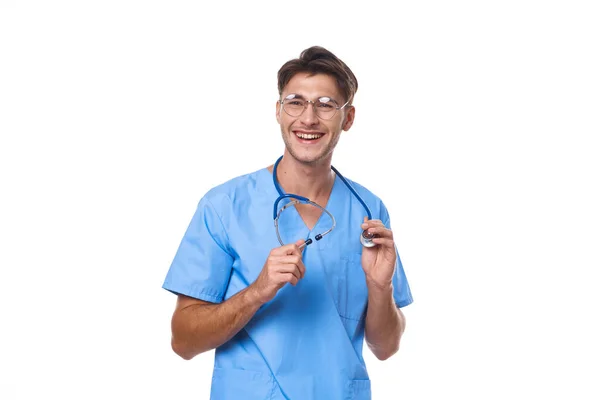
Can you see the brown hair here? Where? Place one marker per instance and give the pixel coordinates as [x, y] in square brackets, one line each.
[317, 60]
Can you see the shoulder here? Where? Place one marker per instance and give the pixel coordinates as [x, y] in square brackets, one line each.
[243, 186]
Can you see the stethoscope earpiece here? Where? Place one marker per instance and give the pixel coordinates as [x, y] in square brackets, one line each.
[366, 239]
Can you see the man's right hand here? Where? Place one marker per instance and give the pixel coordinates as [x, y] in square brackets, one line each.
[284, 265]
[198, 326]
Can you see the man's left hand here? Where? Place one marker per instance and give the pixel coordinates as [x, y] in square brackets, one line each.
[379, 262]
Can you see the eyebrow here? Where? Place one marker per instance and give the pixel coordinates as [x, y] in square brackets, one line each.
[299, 96]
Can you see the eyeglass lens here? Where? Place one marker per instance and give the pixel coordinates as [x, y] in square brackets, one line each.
[324, 107]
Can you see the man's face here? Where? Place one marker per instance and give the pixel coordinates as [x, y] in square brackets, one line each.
[308, 138]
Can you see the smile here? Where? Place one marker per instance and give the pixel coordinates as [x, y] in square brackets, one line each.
[308, 136]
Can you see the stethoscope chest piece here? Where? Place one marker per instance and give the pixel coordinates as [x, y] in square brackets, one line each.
[366, 239]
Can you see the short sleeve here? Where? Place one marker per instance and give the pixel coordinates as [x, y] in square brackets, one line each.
[202, 264]
[402, 293]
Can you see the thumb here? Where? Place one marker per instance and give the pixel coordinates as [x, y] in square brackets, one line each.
[301, 245]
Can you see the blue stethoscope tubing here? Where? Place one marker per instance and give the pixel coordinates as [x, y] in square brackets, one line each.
[365, 238]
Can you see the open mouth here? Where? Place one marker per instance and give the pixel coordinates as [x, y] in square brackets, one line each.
[308, 137]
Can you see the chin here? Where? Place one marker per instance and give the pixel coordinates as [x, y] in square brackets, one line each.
[308, 158]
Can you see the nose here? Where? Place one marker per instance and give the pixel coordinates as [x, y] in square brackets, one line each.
[309, 116]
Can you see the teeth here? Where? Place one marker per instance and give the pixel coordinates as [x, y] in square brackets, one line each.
[308, 135]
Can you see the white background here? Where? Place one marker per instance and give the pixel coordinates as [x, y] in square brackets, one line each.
[477, 123]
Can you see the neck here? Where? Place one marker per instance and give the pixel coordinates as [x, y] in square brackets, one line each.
[313, 181]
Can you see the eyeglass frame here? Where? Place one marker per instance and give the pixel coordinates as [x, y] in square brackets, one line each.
[337, 108]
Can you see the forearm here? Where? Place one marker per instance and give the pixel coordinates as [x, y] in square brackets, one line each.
[202, 327]
[384, 323]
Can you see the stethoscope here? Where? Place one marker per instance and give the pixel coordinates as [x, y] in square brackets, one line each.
[365, 237]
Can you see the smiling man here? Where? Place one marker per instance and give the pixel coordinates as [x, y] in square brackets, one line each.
[288, 306]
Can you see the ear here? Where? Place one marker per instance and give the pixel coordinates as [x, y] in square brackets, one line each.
[278, 112]
[349, 118]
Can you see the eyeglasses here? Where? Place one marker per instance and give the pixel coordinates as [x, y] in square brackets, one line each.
[324, 107]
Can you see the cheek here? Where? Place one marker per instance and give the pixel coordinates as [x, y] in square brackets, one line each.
[336, 126]
[286, 121]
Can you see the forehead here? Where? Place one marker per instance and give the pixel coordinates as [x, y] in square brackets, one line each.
[312, 86]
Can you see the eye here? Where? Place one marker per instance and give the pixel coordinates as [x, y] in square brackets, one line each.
[326, 106]
[326, 103]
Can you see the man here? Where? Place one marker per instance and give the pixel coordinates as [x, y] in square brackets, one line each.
[287, 314]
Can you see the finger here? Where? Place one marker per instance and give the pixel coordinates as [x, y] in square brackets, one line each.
[295, 247]
[386, 242]
[301, 243]
[287, 259]
[294, 259]
[287, 248]
[291, 278]
[381, 231]
[301, 268]
[291, 259]
[371, 223]
[290, 267]
[294, 280]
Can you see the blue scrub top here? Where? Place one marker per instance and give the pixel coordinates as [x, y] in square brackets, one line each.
[307, 342]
